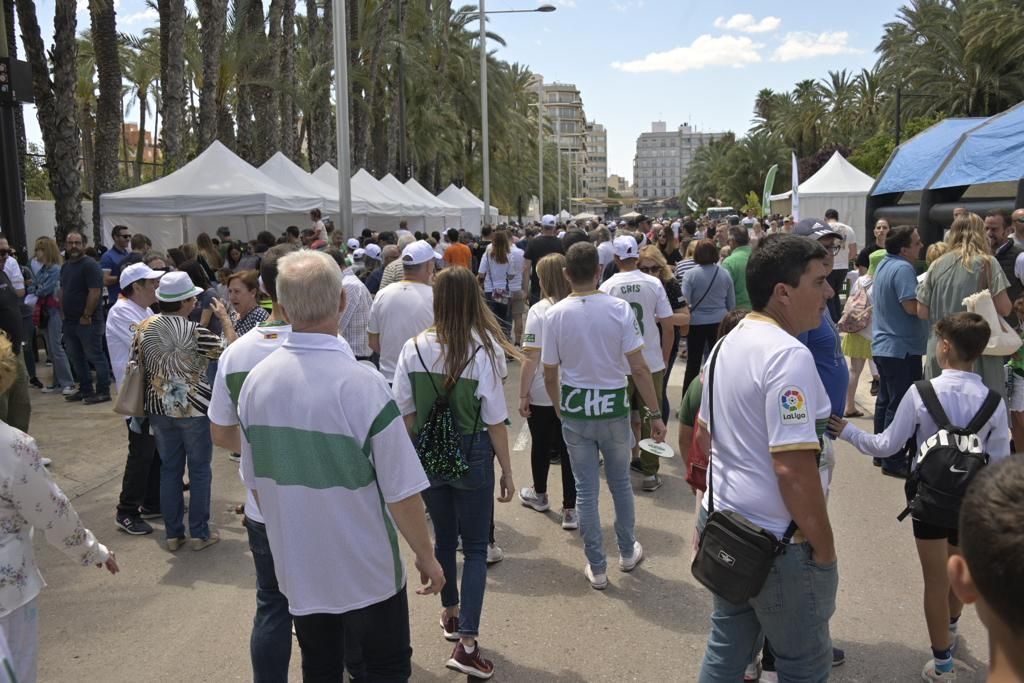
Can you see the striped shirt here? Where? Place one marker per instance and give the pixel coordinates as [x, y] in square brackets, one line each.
[175, 354]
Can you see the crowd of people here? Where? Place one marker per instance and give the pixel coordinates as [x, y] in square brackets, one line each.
[393, 349]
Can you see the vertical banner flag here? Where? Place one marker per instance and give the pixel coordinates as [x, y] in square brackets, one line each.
[692, 204]
[796, 189]
[769, 183]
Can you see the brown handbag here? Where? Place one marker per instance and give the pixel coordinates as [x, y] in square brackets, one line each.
[131, 393]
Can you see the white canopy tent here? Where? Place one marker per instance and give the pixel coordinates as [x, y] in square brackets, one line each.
[216, 188]
[374, 205]
[585, 216]
[326, 173]
[493, 212]
[283, 170]
[433, 210]
[453, 215]
[837, 185]
[472, 212]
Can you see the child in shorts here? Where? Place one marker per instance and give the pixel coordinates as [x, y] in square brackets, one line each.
[990, 571]
[961, 338]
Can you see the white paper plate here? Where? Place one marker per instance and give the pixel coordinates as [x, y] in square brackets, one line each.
[662, 450]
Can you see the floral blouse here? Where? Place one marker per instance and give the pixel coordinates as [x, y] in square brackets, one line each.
[175, 355]
[29, 498]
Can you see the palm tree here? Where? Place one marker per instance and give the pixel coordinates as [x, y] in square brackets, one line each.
[108, 104]
[172, 81]
[287, 100]
[213, 21]
[55, 108]
[141, 69]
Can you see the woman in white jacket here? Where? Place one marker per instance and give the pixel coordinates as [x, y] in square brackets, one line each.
[29, 498]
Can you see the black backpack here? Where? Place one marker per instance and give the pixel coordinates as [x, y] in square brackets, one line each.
[946, 462]
[439, 443]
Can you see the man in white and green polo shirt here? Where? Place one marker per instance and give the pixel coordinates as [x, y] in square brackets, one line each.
[595, 340]
[334, 472]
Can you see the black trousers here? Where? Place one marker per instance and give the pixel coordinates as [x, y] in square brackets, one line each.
[546, 438]
[141, 483]
[373, 642]
[835, 281]
[699, 341]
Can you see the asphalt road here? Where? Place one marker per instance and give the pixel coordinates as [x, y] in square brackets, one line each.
[169, 617]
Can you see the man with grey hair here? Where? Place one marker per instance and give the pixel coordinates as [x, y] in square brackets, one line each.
[405, 309]
[333, 452]
[393, 268]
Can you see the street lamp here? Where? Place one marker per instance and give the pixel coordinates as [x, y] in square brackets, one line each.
[485, 137]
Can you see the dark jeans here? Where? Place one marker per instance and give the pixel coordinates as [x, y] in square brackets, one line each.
[835, 281]
[28, 334]
[140, 485]
[895, 376]
[84, 344]
[698, 342]
[665, 408]
[546, 438]
[464, 507]
[501, 312]
[372, 642]
[270, 645]
[184, 440]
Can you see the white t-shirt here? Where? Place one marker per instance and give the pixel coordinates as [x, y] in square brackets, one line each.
[646, 296]
[13, 272]
[507, 276]
[533, 338]
[605, 254]
[842, 261]
[588, 336]
[768, 399]
[120, 332]
[399, 312]
[477, 399]
[326, 449]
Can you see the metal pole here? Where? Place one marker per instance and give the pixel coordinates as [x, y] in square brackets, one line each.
[899, 102]
[485, 137]
[540, 148]
[341, 93]
[403, 159]
[558, 142]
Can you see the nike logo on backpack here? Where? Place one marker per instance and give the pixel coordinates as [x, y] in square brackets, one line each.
[953, 469]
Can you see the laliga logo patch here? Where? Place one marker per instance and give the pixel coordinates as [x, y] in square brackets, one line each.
[793, 407]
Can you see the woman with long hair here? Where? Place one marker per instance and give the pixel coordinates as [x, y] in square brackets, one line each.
[535, 404]
[497, 273]
[208, 253]
[967, 268]
[652, 262]
[709, 291]
[461, 356]
[47, 284]
[668, 245]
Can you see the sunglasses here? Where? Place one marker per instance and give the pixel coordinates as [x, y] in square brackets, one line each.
[5, 252]
[650, 270]
[125, 235]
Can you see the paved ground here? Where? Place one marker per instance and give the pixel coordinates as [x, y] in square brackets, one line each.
[187, 615]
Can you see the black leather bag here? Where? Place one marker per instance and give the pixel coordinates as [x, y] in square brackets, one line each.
[734, 555]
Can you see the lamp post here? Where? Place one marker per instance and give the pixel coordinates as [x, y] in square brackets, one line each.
[540, 148]
[484, 133]
[341, 93]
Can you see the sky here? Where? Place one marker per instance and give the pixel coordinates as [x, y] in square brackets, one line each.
[638, 61]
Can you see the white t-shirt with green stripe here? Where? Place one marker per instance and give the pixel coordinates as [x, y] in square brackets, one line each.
[326, 450]
[588, 336]
[646, 296]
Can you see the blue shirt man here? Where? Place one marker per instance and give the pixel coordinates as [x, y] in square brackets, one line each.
[113, 258]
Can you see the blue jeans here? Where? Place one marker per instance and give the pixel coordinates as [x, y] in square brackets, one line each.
[85, 347]
[464, 507]
[180, 440]
[270, 646]
[613, 438]
[792, 611]
[895, 375]
[55, 350]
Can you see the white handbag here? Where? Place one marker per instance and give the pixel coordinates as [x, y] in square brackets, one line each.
[1004, 341]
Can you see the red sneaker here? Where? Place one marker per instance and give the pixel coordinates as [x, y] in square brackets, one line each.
[471, 664]
[450, 627]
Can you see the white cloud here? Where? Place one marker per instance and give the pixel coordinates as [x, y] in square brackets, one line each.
[806, 45]
[705, 51]
[147, 15]
[747, 24]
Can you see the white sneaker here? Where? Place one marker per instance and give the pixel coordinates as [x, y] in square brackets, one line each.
[753, 670]
[45, 462]
[930, 674]
[570, 520]
[628, 564]
[494, 554]
[597, 581]
[532, 499]
[50, 389]
[67, 391]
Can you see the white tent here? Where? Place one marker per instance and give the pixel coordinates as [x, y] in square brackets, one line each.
[286, 172]
[435, 213]
[493, 212]
[387, 209]
[327, 174]
[453, 215]
[837, 185]
[216, 188]
[472, 212]
[585, 216]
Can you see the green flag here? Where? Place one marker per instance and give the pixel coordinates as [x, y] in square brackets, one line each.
[769, 182]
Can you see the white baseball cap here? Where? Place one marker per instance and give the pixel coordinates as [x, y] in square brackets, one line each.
[358, 253]
[352, 243]
[625, 247]
[136, 272]
[373, 251]
[176, 286]
[548, 221]
[418, 252]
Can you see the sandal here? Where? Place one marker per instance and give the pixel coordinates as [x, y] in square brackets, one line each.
[853, 413]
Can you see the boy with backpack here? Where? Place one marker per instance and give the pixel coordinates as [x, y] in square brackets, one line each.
[990, 572]
[960, 427]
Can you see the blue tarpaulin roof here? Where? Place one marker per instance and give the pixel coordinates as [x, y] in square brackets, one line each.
[916, 160]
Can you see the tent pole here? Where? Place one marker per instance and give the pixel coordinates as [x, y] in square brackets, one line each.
[184, 229]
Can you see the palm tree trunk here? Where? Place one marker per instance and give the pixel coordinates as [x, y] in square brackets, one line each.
[140, 145]
[172, 77]
[287, 102]
[19, 117]
[268, 123]
[55, 108]
[108, 104]
[213, 19]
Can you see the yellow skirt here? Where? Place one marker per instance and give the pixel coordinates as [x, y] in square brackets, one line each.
[856, 346]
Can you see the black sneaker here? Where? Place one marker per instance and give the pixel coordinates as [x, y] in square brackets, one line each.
[874, 387]
[132, 525]
[34, 381]
[77, 396]
[838, 657]
[635, 465]
[149, 513]
[96, 398]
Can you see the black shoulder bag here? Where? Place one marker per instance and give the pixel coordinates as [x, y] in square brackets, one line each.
[734, 555]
